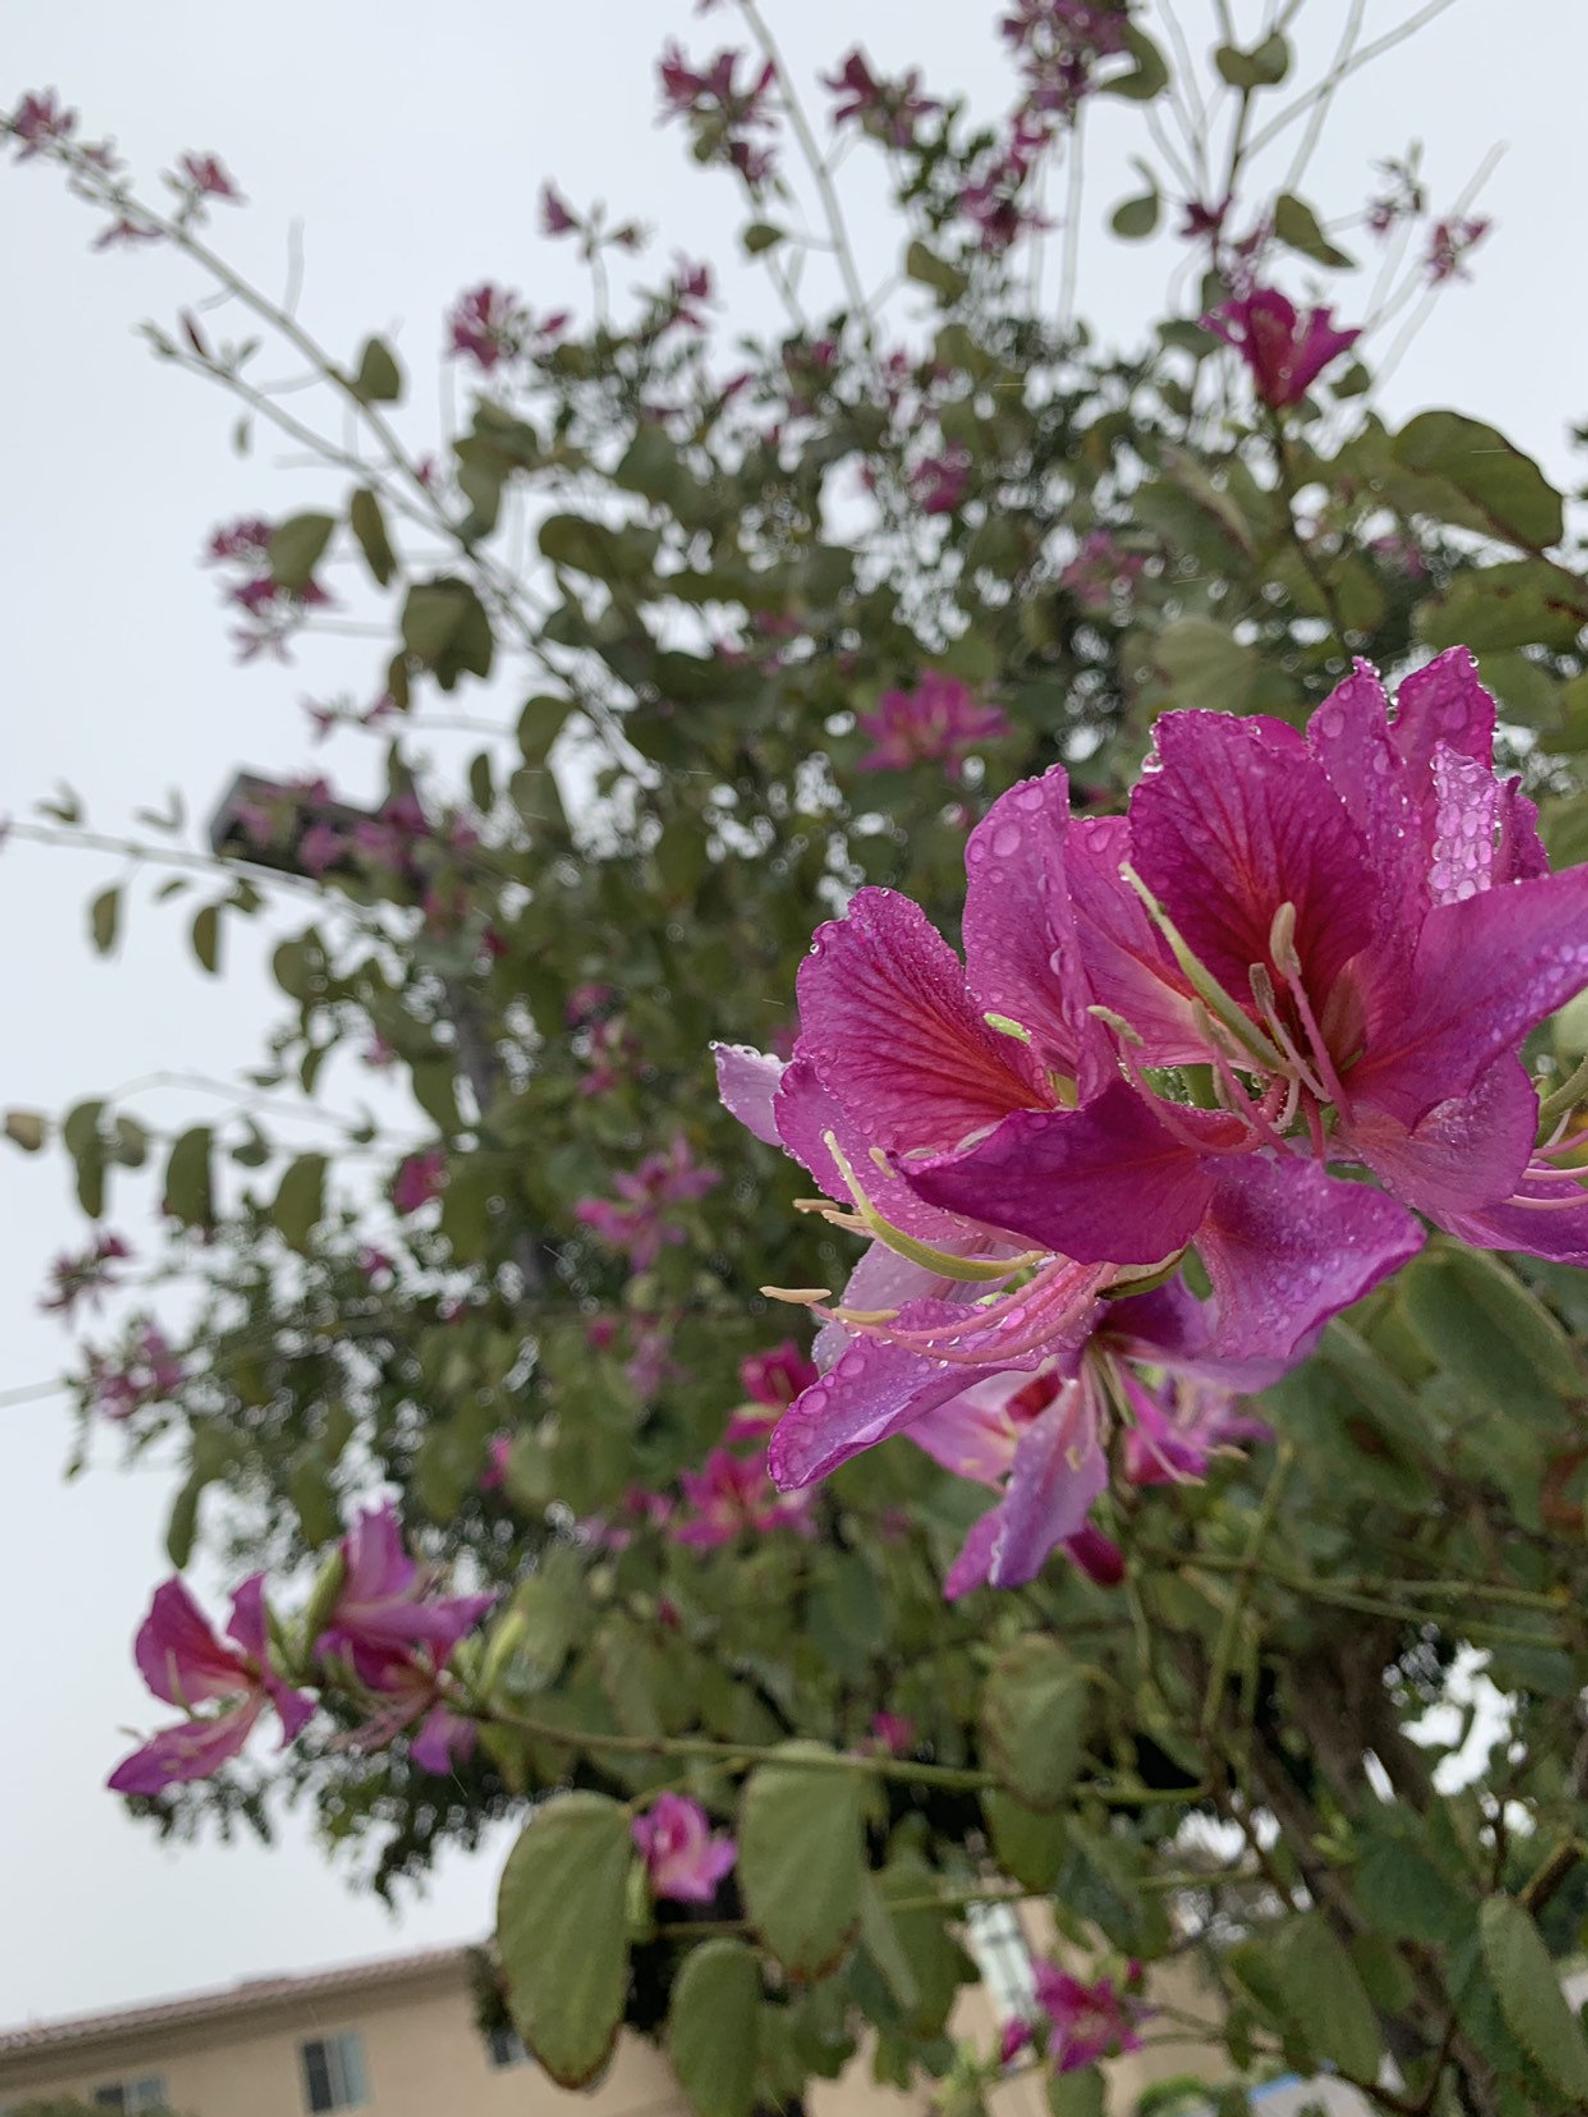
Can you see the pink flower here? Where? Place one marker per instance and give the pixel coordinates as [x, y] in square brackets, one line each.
[409, 1691]
[124, 233]
[387, 1606]
[321, 848]
[940, 721]
[723, 113]
[939, 483]
[84, 1277]
[557, 217]
[185, 1664]
[1089, 2021]
[419, 1179]
[150, 1374]
[1450, 245]
[996, 201]
[682, 1857]
[889, 110]
[893, 1733]
[732, 1496]
[488, 325]
[499, 1453]
[1013, 2038]
[1058, 44]
[637, 1221]
[1101, 570]
[247, 540]
[206, 176]
[776, 1377]
[39, 119]
[1285, 351]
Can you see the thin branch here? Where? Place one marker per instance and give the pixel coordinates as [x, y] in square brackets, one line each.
[1331, 81]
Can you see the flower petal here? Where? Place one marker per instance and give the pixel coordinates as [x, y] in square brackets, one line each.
[1238, 820]
[1105, 1183]
[1125, 959]
[804, 1112]
[178, 1654]
[872, 1391]
[890, 1027]
[1058, 1471]
[747, 1080]
[1444, 702]
[1462, 1155]
[194, 1749]
[1287, 1247]
[1486, 971]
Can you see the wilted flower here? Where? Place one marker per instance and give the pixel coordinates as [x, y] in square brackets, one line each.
[38, 119]
[682, 1857]
[940, 721]
[557, 217]
[1285, 352]
[185, 1664]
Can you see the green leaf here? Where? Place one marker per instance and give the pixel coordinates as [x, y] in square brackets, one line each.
[444, 625]
[713, 2028]
[1498, 1342]
[104, 919]
[1134, 218]
[759, 236]
[187, 1196]
[1148, 76]
[299, 1203]
[801, 1859]
[1527, 1983]
[83, 1140]
[561, 1935]
[1320, 1991]
[927, 269]
[379, 379]
[368, 525]
[1079, 2093]
[1509, 490]
[206, 934]
[1029, 1844]
[27, 1129]
[1203, 664]
[312, 1494]
[539, 725]
[295, 548]
[1033, 1720]
[1265, 66]
[883, 1945]
[1406, 1896]
[181, 1527]
[1298, 228]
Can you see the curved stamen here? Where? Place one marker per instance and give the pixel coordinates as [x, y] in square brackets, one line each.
[1207, 988]
[943, 1263]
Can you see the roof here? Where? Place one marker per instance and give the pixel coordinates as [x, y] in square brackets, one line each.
[214, 2005]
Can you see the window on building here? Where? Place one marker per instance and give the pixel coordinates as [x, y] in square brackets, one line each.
[507, 2048]
[148, 2092]
[333, 2072]
[1003, 1958]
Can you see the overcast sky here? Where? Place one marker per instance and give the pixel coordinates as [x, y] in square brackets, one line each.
[411, 141]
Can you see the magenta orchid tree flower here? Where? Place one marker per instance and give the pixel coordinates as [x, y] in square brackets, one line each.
[1284, 351]
[732, 1496]
[388, 1606]
[939, 721]
[1042, 1439]
[683, 1858]
[983, 1124]
[1342, 940]
[223, 1685]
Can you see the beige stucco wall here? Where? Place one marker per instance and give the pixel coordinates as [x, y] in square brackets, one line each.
[423, 2057]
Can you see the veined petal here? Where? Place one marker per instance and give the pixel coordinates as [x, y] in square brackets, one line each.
[194, 1749]
[889, 1026]
[1105, 1183]
[1126, 960]
[873, 1390]
[1551, 1226]
[1462, 1155]
[1349, 735]
[1444, 702]
[1486, 971]
[1020, 956]
[805, 1112]
[179, 1656]
[1287, 1247]
[1237, 820]
[747, 1081]
[1058, 1471]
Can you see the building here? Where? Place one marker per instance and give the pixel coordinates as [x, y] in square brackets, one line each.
[398, 2038]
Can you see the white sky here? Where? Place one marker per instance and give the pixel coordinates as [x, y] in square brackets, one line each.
[411, 141]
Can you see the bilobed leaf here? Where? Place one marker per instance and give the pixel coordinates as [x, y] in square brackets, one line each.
[560, 1933]
[299, 1204]
[713, 2028]
[1508, 488]
[296, 546]
[1265, 66]
[1033, 1719]
[1148, 76]
[104, 919]
[1320, 1991]
[379, 379]
[1527, 1983]
[368, 525]
[801, 1859]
